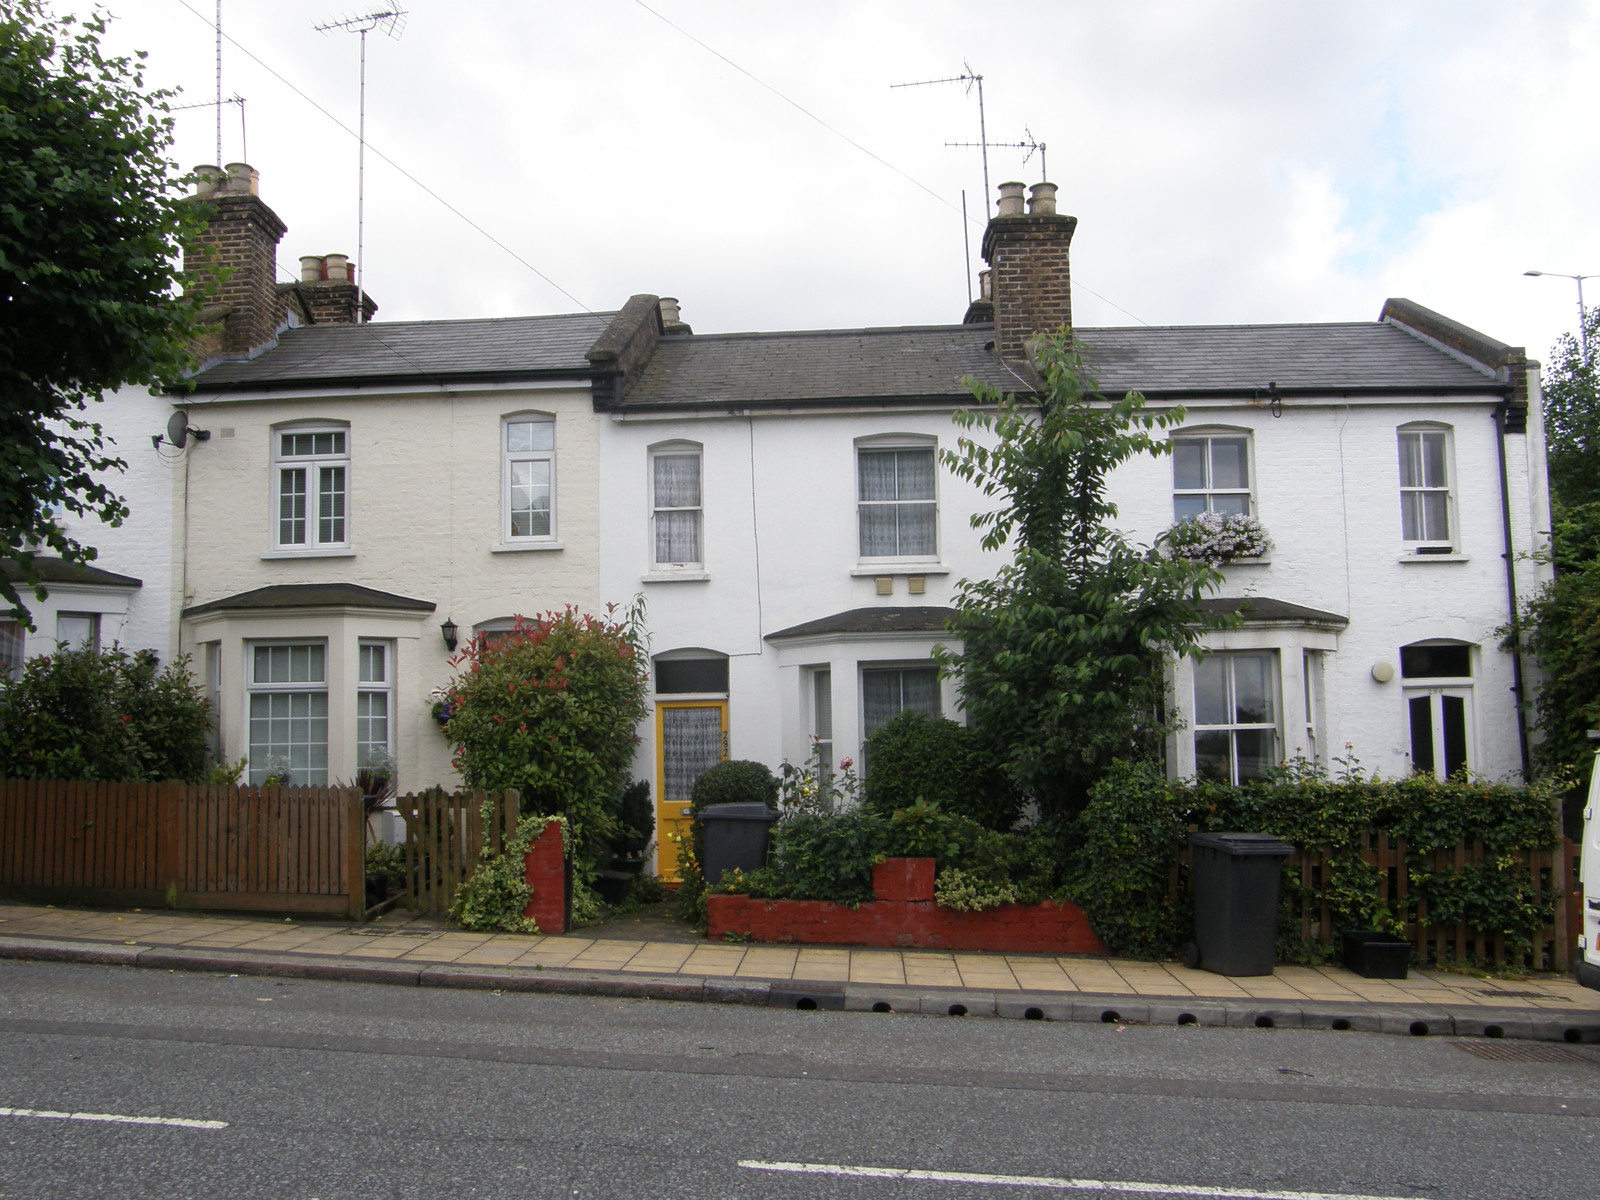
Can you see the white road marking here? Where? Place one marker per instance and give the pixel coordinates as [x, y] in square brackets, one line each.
[1061, 1185]
[113, 1118]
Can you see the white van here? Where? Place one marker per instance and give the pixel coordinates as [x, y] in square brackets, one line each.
[1588, 965]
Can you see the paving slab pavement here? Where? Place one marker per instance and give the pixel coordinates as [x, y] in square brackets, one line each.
[431, 953]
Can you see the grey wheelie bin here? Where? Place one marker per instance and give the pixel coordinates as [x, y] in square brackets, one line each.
[1236, 878]
[735, 837]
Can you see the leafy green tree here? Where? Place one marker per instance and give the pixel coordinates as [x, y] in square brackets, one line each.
[550, 709]
[1560, 626]
[1065, 650]
[103, 715]
[1572, 419]
[90, 227]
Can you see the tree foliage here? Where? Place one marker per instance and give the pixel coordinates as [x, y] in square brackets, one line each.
[1065, 649]
[90, 227]
[550, 709]
[103, 715]
[1560, 626]
[1572, 419]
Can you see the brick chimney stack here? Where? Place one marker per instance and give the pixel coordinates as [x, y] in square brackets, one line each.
[1029, 276]
[234, 261]
[328, 287]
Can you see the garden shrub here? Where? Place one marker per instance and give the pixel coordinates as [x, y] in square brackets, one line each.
[636, 819]
[737, 781]
[496, 894]
[916, 757]
[104, 715]
[551, 709]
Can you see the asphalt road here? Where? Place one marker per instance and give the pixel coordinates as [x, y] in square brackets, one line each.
[121, 1083]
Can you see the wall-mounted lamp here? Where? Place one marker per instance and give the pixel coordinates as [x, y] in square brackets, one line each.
[449, 629]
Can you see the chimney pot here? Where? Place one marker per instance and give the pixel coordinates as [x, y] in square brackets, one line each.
[244, 179]
[1042, 200]
[986, 285]
[670, 314]
[338, 268]
[312, 268]
[207, 179]
[1011, 199]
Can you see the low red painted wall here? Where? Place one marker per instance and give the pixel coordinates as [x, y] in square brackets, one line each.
[904, 914]
[546, 869]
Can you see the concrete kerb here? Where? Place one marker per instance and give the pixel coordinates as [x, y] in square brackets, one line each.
[1406, 1020]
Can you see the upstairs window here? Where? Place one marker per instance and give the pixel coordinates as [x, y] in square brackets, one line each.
[528, 484]
[312, 468]
[896, 506]
[1425, 500]
[675, 505]
[1210, 473]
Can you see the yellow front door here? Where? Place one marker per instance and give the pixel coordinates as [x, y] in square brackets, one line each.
[691, 735]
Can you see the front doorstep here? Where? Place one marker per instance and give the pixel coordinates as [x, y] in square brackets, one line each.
[904, 915]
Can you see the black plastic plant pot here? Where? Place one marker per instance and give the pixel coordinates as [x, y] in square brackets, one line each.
[1374, 955]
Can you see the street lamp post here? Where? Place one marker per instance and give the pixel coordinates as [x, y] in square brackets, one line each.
[1583, 323]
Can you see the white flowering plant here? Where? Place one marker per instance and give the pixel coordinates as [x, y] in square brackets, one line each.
[1217, 538]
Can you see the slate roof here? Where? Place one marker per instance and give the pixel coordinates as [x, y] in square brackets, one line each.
[889, 618]
[900, 366]
[311, 595]
[410, 351]
[1260, 609]
[57, 570]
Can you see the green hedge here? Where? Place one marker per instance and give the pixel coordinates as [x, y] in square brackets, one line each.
[1128, 838]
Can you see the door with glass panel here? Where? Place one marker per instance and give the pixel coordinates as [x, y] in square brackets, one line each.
[691, 736]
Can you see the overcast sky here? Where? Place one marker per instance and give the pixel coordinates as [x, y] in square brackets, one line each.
[1228, 160]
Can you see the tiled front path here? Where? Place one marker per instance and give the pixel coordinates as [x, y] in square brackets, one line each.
[915, 968]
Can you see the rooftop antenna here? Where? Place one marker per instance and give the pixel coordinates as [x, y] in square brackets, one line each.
[968, 77]
[1027, 143]
[392, 22]
[244, 140]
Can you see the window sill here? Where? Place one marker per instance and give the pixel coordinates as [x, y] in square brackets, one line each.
[900, 568]
[1412, 559]
[1259, 561]
[524, 548]
[687, 575]
[335, 552]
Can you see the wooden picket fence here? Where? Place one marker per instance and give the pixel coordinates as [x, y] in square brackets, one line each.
[275, 849]
[1551, 873]
[445, 833]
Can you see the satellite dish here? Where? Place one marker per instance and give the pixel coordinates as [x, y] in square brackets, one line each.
[179, 430]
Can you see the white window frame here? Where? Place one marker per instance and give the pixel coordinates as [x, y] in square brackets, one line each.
[325, 516]
[1209, 491]
[659, 511]
[1414, 493]
[372, 687]
[819, 705]
[90, 624]
[1228, 660]
[899, 668]
[510, 461]
[13, 648]
[897, 445]
[310, 772]
[1436, 689]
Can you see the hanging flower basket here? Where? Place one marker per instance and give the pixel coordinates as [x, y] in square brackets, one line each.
[1217, 538]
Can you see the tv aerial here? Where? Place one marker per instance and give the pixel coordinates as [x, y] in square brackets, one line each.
[179, 431]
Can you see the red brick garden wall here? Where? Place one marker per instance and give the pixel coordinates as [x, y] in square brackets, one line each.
[547, 876]
[904, 914]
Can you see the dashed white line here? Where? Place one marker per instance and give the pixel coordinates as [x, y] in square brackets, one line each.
[1129, 1187]
[111, 1118]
